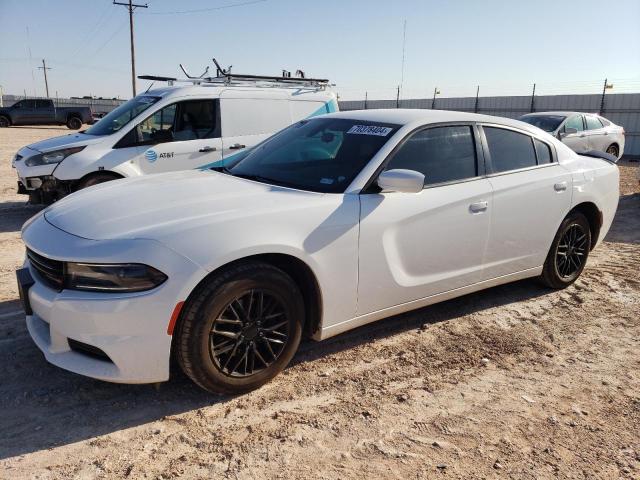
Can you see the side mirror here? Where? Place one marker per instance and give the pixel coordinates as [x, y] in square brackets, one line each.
[400, 180]
[568, 131]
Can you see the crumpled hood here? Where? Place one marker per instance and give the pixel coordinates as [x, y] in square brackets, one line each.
[65, 141]
[153, 206]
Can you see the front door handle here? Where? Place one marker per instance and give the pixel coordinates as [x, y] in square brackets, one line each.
[237, 146]
[478, 207]
[560, 187]
[207, 149]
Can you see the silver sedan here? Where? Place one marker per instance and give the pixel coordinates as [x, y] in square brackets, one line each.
[581, 132]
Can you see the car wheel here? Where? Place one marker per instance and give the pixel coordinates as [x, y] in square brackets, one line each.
[4, 122]
[240, 329]
[613, 150]
[569, 252]
[74, 123]
[95, 179]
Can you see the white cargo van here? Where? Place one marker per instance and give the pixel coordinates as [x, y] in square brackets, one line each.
[179, 127]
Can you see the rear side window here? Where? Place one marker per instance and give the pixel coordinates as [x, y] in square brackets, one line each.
[509, 150]
[441, 154]
[604, 121]
[575, 122]
[593, 123]
[43, 103]
[543, 152]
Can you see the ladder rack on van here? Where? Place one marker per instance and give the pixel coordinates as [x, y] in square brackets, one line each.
[238, 79]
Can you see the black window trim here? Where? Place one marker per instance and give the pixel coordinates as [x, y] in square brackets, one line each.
[217, 133]
[487, 154]
[371, 186]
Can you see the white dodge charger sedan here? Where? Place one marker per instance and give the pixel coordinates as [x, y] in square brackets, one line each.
[332, 223]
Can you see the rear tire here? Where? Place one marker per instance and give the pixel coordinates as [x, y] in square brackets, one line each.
[569, 251]
[74, 123]
[613, 150]
[240, 329]
[95, 179]
[4, 122]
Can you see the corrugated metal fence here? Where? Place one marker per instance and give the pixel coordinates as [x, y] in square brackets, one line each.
[621, 108]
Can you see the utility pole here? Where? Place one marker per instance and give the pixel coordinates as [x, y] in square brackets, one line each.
[533, 99]
[44, 68]
[475, 108]
[604, 90]
[131, 7]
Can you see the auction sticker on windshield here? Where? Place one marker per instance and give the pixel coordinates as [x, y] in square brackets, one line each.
[370, 130]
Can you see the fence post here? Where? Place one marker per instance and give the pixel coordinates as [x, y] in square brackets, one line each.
[366, 95]
[604, 90]
[533, 99]
[433, 102]
[398, 97]
[475, 109]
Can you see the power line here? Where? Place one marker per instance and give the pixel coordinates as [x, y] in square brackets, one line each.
[201, 10]
[131, 7]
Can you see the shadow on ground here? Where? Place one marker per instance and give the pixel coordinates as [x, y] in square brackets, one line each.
[14, 214]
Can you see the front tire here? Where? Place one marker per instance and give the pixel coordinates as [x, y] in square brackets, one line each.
[240, 329]
[95, 179]
[569, 252]
[74, 123]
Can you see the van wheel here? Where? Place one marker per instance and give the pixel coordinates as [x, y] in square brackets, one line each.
[613, 150]
[74, 123]
[4, 122]
[569, 252]
[240, 329]
[95, 179]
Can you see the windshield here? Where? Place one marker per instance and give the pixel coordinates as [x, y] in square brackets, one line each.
[548, 123]
[119, 117]
[320, 155]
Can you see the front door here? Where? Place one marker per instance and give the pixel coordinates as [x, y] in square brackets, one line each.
[531, 196]
[578, 142]
[180, 136]
[414, 245]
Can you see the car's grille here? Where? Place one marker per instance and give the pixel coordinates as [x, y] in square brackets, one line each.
[50, 271]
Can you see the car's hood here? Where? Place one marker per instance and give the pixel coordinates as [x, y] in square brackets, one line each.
[153, 206]
[65, 141]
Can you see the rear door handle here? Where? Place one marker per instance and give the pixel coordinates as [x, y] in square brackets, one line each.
[478, 207]
[237, 146]
[207, 149]
[560, 187]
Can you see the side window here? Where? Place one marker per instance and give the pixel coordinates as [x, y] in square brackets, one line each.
[593, 123]
[18, 105]
[575, 122]
[197, 119]
[442, 154]
[159, 127]
[43, 104]
[604, 121]
[509, 150]
[543, 152]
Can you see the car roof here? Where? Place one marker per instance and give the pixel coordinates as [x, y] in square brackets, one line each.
[405, 116]
[557, 113]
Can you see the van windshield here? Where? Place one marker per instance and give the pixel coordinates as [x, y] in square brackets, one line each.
[119, 117]
[320, 155]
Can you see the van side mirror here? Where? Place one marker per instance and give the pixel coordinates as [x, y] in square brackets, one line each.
[401, 180]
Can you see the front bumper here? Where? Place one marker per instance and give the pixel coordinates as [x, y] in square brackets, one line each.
[129, 328]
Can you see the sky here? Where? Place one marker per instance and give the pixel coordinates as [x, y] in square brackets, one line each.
[502, 46]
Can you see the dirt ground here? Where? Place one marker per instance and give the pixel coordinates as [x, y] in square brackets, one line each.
[514, 382]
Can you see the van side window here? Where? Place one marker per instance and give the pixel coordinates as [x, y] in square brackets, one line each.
[442, 154]
[509, 150]
[158, 128]
[196, 120]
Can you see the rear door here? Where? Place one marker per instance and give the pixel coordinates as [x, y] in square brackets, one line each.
[44, 112]
[578, 142]
[531, 196]
[596, 134]
[180, 136]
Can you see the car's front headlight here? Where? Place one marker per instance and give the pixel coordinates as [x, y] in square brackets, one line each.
[112, 277]
[55, 156]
